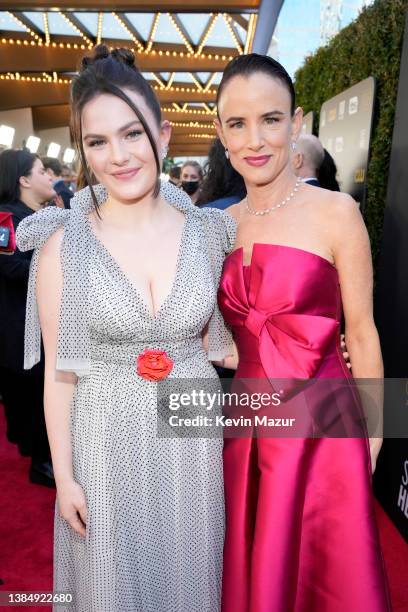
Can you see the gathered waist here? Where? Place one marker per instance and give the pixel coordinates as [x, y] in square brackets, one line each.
[128, 353]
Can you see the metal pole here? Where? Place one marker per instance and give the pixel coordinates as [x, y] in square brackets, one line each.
[267, 18]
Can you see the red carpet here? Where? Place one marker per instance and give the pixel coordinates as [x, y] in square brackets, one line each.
[26, 519]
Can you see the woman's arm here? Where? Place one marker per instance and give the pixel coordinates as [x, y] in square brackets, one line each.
[352, 255]
[58, 386]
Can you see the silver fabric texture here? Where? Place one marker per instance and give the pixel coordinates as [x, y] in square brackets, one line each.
[217, 235]
[155, 525]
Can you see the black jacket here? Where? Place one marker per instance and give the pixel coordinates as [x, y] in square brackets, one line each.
[65, 193]
[14, 272]
[313, 182]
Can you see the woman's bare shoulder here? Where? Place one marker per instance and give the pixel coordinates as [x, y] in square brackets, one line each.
[335, 206]
[234, 210]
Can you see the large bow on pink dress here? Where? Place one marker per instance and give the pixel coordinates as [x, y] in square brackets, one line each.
[290, 344]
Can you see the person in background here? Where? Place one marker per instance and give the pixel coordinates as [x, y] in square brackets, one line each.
[24, 187]
[67, 176]
[174, 174]
[191, 178]
[307, 158]
[74, 179]
[222, 185]
[326, 174]
[54, 169]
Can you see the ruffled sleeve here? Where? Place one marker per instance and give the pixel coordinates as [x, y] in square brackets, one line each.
[220, 232]
[77, 253]
[34, 230]
[32, 233]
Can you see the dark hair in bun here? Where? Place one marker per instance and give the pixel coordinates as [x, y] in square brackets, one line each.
[111, 71]
[252, 63]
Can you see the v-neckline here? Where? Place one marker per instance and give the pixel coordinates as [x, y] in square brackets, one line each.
[118, 267]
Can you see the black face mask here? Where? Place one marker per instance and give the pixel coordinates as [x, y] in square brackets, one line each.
[190, 187]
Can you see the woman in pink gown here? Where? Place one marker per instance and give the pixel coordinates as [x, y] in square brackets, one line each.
[301, 532]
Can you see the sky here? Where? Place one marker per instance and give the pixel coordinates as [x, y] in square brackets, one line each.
[297, 32]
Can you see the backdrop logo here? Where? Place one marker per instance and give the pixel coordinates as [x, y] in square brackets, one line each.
[403, 491]
[353, 105]
[359, 175]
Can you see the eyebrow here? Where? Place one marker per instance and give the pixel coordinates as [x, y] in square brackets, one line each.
[121, 129]
[273, 112]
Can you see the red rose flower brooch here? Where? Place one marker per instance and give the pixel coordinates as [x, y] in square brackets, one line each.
[154, 365]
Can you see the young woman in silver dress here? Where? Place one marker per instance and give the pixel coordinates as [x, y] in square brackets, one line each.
[123, 286]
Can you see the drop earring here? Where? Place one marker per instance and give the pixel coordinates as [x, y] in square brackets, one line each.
[293, 145]
[227, 153]
[165, 149]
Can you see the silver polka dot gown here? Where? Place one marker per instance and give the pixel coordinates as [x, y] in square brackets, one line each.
[155, 526]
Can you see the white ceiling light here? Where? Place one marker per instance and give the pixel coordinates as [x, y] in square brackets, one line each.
[33, 142]
[6, 135]
[53, 149]
[69, 156]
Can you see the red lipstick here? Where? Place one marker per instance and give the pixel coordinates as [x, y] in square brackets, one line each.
[258, 161]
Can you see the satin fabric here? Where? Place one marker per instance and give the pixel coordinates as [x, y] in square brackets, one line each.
[301, 534]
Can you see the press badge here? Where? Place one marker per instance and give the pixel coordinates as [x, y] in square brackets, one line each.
[4, 236]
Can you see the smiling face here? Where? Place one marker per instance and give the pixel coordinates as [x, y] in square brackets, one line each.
[117, 148]
[256, 126]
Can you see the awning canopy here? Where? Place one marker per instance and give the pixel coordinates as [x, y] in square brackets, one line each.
[182, 53]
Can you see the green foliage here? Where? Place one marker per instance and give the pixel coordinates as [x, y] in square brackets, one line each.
[168, 163]
[370, 46]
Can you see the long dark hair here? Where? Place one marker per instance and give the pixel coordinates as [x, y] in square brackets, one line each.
[221, 179]
[13, 165]
[252, 63]
[111, 72]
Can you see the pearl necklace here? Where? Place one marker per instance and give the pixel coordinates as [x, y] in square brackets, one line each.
[272, 208]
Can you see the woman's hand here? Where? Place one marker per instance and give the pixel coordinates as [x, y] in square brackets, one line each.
[375, 447]
[230, 362]
[343, 347]
[58, 201]
[72, 505]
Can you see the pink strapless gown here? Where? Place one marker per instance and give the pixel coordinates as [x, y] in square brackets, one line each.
[301, 532]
